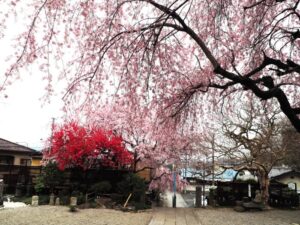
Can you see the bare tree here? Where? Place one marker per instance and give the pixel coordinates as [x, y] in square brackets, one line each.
[253, 141]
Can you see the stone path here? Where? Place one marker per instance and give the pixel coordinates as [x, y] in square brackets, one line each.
[167, 200]
[170, 216]
[223, 216]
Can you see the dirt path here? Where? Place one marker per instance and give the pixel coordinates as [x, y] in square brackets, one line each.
[170, 216]
[60, 215]
[227, 216]
[223, 216]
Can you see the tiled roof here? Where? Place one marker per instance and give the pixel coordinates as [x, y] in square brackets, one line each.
[289, 173]
[278, 170]
[14, 147]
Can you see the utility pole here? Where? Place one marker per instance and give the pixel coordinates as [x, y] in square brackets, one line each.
[52, 126]
[52, 129]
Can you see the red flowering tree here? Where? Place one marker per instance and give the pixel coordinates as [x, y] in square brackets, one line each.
[74, 145]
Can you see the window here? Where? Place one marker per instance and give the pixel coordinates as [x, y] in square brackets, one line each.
[25, 162]
[6, 160]
[292, 186]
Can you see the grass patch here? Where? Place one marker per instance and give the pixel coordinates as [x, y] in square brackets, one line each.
[24, 199]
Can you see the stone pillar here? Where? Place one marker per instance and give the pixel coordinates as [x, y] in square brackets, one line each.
[73, 201]
[51, 199]
[198, 197]
[35, 200]
[57, 201]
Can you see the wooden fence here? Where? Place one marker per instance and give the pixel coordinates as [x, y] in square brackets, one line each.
[26, 175]
[13, 174]
[227, 193]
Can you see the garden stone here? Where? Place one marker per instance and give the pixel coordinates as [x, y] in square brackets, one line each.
[57, 201]
[73, 201]
[35, 200]
[51, 201]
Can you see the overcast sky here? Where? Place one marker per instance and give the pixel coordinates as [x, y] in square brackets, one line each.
[24, 117]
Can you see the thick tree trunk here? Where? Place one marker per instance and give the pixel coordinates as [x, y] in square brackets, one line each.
[264, 186]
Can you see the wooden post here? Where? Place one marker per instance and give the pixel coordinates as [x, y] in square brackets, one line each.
[127, 200]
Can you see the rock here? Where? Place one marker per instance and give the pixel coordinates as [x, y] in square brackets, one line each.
[35, 200]
[57, 201]
[51, 199]
[73, 201]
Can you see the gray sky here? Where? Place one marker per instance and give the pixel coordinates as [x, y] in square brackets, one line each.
[24, 117]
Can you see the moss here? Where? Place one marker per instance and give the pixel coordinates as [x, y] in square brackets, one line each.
[26, 200]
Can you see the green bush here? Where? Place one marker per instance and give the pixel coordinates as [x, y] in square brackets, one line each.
[72, 208]
[64, 199]
[93, 205]
[248, 181]
[141, 205]
[132, 184]
[117, 197]
[101, 187]
[26, 200]
[44, 199]
[40, 184]
[50, 177]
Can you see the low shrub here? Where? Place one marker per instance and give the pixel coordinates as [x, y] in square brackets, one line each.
[141, 205]
[50, 177]
[92, 205]
[101, 187]
[44, 199]
[72, 208]
[136, 186]
[26, 200]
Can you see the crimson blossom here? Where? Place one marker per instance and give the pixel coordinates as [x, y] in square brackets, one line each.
[73, 145]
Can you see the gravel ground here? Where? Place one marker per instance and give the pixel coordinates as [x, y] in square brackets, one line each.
[227, 216]
[60, 215]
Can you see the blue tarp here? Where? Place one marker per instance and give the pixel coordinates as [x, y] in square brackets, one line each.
[227, 175]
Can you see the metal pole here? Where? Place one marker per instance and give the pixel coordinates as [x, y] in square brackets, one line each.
[204, 180]
[174, 187]
[213, 161]
[52, 130]
[249, 190]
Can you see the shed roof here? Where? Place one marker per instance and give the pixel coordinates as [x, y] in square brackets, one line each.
[9, 146]
[290, 173]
